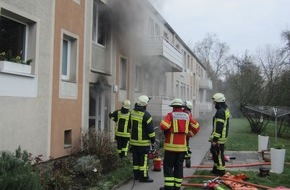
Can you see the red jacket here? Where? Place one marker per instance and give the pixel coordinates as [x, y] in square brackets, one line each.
[176, 126]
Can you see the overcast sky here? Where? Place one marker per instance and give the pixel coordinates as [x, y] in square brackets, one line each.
[242, 24]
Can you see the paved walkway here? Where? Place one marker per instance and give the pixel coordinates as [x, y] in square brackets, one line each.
[199, 146]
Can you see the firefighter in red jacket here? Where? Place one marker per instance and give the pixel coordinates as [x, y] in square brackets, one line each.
[142, 137]
[176, 126]
[122, 135]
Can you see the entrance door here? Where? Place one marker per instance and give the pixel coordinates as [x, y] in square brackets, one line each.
[98, 112]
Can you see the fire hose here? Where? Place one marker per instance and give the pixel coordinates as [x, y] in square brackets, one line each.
[233, 165]
[221, 178]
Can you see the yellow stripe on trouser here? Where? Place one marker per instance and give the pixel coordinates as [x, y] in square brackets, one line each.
[125, 150]
[144, 168]
[220, 162]
[178, 182]
[169, 181]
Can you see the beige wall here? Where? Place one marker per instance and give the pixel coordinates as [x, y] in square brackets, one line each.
[67, 112]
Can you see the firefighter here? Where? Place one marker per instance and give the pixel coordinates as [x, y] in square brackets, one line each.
[122, 135]
[187, 109]
[219, 133]
[142, 137]
[176, 126]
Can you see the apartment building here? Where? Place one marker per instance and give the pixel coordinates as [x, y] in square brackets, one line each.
[87, 57]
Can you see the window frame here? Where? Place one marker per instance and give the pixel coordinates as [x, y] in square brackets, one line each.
[96, 30]
[123, 73]
[30, 37]
[72, 56]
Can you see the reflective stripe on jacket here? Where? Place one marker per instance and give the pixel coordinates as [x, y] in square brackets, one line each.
[220, 126]
[142, 130]
[176, 126]
[122, 125]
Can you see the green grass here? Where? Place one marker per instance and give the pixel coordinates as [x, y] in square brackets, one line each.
[241, 139]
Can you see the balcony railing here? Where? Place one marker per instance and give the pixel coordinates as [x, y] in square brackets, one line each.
[159, 46]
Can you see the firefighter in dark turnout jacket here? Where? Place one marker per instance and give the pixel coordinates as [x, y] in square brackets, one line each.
[122, 135]
[219, 134]
[142, 137]
[176, 125]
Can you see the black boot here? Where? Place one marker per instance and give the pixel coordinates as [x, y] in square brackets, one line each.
[146, 180]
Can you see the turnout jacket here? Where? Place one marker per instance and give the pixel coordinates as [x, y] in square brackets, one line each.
[220, 124]
[176, 126]
[141, 127]
[121, 117]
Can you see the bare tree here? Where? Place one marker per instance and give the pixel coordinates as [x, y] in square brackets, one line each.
[273, 63]
[213, 54]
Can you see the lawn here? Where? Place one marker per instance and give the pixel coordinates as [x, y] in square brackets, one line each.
[241, 139]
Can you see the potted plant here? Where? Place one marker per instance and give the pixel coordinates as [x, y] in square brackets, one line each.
[15, 64]
[277, 158]
[263, 142]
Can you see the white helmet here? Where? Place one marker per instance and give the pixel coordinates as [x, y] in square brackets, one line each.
[142, 100]
[188, 104]
[126, 104]
[176, 102]
[218, 97]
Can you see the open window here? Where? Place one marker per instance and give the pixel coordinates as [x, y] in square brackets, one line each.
[99, 23]
[17, 38]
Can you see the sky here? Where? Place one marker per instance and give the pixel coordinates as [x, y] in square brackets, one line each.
[241, 24]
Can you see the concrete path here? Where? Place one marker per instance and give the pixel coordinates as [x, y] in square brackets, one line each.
[199, 146]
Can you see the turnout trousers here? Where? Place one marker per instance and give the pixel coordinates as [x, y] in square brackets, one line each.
[217, 152]
[122, 146]
[140, 161]
[173, 169]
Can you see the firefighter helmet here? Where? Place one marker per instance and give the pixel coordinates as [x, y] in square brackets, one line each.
[177, 102]
[142, 100]
[188, 104]
[126, 104]
[218, 97]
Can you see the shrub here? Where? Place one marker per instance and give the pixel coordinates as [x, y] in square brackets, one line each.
[89, 167]
[16, 171]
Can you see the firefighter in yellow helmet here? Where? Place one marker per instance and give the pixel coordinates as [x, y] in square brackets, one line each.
[142, 137]
[176, 125]
[122, 134]
[219, 134]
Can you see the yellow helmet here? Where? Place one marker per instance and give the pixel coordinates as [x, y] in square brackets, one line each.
[126, 104]
[188, 104]
[176, 102]
[142, 100]
[218, 97]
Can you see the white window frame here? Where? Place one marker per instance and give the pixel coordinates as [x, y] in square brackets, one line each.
[68, 59]
[123, 73]
[72, 56]
[95, 25]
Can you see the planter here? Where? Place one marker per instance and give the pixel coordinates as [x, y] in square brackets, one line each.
[12, 67]
[277, 160]
[262, 143]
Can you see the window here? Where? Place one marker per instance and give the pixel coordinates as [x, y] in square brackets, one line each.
[67, 138]
[151, 27]
[99, 23]
[17, 36]
[123, 73]
[138, 78]
[69, 58]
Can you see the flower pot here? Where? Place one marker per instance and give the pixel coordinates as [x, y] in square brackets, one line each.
[12, 67]
[262, 143]
[277, 160]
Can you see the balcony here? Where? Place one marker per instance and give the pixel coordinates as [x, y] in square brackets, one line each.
[205, 84]
[166, 53]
